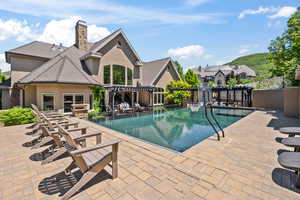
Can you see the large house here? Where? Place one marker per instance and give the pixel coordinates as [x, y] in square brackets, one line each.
[54, 77]
[220, 74]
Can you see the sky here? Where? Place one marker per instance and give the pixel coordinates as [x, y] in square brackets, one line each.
[194, 32]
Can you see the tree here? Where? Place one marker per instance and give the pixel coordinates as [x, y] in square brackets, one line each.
[232, 82]
[179, 69]
[177, 97]
[191, 78]
[244, 81]
[2, 78]
[211, 84]
[284, 51]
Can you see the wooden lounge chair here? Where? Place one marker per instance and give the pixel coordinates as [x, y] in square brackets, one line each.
[291, 131]
[48, 136]
[291, 160]
[90, 160]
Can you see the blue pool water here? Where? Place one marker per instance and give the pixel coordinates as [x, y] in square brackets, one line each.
[175, 129]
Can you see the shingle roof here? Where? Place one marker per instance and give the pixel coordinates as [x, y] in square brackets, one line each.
[226, 69]
[37, 49]
[98, 44]
[64, 68]
[150, 70]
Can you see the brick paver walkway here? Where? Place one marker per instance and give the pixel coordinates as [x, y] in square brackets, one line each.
[241, 166]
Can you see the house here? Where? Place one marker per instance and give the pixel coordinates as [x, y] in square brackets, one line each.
[220, 74]
[54, 77]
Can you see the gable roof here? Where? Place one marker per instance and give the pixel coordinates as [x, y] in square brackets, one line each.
[153, 69]
[101, 43]
[65, 68]
[36, 49]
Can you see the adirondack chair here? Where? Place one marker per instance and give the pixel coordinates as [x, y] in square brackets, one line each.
[37, 126]
[47, 136]
[89, 160]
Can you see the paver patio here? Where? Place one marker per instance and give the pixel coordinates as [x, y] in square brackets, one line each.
[241, 166]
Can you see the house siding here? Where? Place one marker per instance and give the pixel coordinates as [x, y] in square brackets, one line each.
[164, 79]
[59, 90]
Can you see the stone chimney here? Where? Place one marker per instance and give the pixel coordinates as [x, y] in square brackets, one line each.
[81, 35]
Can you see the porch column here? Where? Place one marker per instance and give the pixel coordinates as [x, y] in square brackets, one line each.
[21, 98]
[137, 97]
[132, 98]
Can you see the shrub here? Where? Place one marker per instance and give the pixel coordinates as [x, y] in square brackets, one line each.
[17, 116]
[178, 96]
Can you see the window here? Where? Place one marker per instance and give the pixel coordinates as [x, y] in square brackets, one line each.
[129, 76]
[158, 98]
[136, 74]
[48, 102]
[91, 101]
[70, 99]
[119, 75]
[106, 74]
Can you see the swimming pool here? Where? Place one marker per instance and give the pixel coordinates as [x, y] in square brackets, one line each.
[176, 129]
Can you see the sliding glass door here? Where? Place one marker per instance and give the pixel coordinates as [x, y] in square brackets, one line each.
[70, 99]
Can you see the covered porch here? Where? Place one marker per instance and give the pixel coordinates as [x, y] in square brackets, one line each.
[144, 95]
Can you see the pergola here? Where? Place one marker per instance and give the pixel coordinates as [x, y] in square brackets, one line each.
[116, 89]
[231, 95]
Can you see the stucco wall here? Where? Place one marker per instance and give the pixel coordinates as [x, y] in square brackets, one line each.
[5, 98]
[168, 75]
[118, 57]
[59, 91]
[30, 95]
[269, 99]
[291, 101]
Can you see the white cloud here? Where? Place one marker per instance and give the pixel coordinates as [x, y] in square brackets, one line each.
[242, 51]
[278, 12]
[3, 65]
[187, 51]
[260, 10]
[194, 3]
[106, 12]
[12, 28]
[285, 12]
[63, 31]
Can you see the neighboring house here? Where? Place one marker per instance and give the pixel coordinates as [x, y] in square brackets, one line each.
[220, 74]
[54, 77]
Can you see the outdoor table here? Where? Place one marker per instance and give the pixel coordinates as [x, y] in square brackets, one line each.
[292, 142]
[292, 131]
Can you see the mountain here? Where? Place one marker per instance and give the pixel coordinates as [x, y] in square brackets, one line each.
[258, 62]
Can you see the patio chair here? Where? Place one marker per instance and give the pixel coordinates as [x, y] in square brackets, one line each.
[138, 107]
[46, 137]
[124, 107]
[291, 160]
[89, 160]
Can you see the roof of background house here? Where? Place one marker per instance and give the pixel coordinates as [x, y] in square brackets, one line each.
[37, 49]
[151, 69]
[65, 68]
[226, 69]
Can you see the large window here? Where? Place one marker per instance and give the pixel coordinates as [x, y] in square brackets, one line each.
[119, 74]
[48, 102]
[158, 98]
[106, 74]
[70, 99]
[129, 76]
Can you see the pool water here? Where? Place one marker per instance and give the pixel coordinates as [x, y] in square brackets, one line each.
[176, 129]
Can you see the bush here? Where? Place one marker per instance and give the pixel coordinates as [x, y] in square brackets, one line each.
[17, 116]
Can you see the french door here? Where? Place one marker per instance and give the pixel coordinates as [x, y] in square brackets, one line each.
[70, 99]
